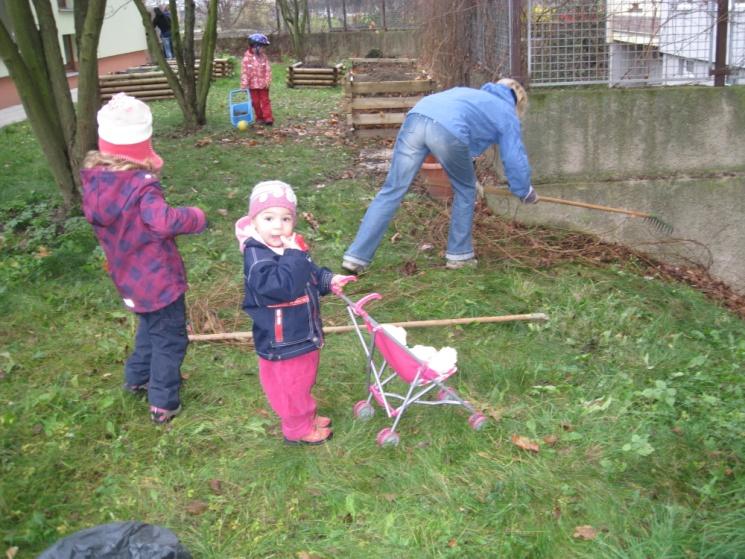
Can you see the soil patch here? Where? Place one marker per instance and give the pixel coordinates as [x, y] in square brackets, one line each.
[386, 72]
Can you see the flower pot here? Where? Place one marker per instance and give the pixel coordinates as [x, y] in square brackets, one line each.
[436, 179]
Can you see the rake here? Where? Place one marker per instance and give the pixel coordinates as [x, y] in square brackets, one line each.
[652, 220]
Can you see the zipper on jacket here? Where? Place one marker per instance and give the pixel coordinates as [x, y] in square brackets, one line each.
[278, 331]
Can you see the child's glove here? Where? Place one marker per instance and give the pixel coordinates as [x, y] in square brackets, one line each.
[296, 241]
[339, 281]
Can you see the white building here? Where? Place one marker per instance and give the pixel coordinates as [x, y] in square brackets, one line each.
[672, 41]
[122, 43]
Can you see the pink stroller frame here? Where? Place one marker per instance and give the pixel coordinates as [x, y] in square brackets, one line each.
[403, 365]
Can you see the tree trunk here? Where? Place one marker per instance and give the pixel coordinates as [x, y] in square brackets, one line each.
[32, 55]
[191, 94]
[295, 15]
[209, 40]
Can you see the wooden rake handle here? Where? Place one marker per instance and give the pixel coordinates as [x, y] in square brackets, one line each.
[537, 317]
[505, 192]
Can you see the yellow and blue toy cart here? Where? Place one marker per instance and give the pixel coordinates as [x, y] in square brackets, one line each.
[239, 102]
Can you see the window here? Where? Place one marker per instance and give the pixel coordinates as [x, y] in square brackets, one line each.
[686, 67]
[71, 55]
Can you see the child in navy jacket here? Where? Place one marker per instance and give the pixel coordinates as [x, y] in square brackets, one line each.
[282, 289]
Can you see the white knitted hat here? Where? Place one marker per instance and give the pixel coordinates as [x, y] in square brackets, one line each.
[125, 126]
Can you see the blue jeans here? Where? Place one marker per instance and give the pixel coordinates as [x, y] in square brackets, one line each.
[167, 45]
[419, 136]
[160, 347]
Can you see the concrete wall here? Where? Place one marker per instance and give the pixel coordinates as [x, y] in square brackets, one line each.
[677, 153]
[330, 47]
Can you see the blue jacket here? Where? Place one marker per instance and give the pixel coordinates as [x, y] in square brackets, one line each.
[480, 118]
[282, 298]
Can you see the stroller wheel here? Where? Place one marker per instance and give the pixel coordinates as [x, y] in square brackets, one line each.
[363, 410]
[387, 437]
[477, 421]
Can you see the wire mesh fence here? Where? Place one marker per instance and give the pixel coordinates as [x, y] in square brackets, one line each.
[626, 42]
[351, 15]
[566, 42]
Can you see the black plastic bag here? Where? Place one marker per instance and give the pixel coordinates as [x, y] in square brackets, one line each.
[119, 540]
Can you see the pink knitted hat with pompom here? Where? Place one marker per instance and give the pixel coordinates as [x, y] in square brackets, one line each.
[271, 194]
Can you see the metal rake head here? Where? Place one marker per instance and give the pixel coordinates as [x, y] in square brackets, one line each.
[658, 224]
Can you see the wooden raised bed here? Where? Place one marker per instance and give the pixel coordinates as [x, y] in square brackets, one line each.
[299, 75]
[378, 92]
[148, 83]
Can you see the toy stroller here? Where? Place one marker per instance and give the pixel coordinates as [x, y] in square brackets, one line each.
[239, 103]
[420, 375]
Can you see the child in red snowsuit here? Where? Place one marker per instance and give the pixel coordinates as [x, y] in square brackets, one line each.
[256, 76]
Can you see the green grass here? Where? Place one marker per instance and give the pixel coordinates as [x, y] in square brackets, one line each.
[633, 389]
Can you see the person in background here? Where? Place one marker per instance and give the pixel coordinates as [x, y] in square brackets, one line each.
[455, 125]
[282, 288]
[162, 22]
[136, 228]
[256, 76]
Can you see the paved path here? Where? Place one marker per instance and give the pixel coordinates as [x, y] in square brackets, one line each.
[17, 114]
[11, 115]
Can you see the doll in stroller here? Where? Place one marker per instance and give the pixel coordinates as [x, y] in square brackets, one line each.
[422, 371]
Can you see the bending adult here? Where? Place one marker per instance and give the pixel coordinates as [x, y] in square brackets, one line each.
[455, 125]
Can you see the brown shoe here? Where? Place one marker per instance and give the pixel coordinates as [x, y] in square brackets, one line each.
[322, 422]
[317, 436]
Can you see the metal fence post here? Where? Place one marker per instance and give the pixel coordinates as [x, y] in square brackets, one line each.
[720, 55]
[516, 51]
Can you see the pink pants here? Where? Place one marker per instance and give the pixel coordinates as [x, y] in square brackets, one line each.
[262, 105]
[287, 385]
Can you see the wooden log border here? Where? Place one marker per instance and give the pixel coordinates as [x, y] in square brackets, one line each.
[300, 76]
[149, 83]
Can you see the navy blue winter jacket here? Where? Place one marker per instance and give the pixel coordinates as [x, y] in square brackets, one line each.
[282, 297]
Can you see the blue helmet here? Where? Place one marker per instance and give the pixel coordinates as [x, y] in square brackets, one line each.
[258, 39]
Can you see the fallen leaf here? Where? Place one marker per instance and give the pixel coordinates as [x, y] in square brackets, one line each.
[223, 212]
[184, 376]
[203, 142]
[11, 552]
[42, 252]
[557, 512]
[410, 268]
[196, 507]
[311, 219]
[396, 236]
[585, 532]
[390, 497]
[453, 542]
[525, 443]
[550, 440]
[216, 486]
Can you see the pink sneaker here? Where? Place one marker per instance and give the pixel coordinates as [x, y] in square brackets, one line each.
[161, 416]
